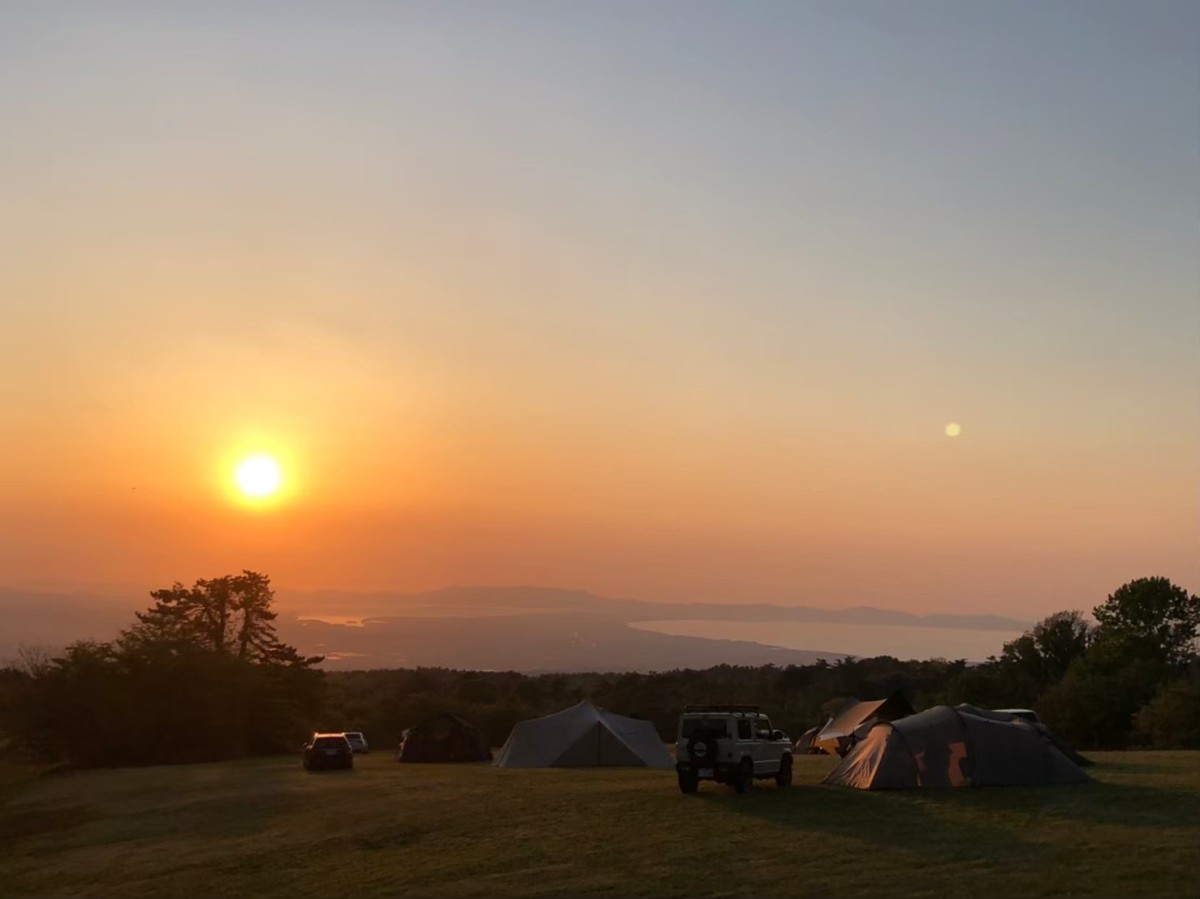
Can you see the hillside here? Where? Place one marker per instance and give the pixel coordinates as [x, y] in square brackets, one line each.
[264, 827]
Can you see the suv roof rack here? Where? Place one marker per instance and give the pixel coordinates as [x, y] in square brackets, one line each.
[721, 708]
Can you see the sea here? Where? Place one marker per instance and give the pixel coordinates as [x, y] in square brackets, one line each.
[863, 640]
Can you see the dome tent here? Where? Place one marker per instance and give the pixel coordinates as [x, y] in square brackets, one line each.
[952, 747]
[584, 736]
[444, 738]
[1008, 714]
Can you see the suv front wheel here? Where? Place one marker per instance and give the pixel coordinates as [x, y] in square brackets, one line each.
[784, 777]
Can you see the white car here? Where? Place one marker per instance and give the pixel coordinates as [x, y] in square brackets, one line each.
[731, 744]
[357, 741]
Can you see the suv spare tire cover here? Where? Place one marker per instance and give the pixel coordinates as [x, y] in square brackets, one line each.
[703, 752]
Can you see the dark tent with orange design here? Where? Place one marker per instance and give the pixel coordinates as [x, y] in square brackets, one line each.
[954, 747]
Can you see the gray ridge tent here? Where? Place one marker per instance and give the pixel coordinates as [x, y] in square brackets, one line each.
[584, 736]
[949, 747]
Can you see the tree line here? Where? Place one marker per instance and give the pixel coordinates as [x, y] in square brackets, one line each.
[201, 675]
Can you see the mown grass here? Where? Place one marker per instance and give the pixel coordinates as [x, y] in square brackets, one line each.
[266, 827]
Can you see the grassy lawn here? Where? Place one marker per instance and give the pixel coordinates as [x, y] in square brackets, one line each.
[267, 827]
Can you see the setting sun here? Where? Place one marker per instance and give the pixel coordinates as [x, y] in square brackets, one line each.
[258, 476]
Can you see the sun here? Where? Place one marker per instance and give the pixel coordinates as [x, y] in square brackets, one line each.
[953, 429]
[258, 476]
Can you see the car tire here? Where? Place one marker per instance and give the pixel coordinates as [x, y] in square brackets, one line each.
[784, 777]
[744, 779]
[688, 783]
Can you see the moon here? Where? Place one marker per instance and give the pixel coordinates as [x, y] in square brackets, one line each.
[953, 429]
[258, 476]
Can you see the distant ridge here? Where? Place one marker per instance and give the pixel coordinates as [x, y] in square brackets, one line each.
[525, 599]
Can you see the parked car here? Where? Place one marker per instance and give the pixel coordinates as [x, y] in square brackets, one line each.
[731, 744]
[357, 741]
[328, 751]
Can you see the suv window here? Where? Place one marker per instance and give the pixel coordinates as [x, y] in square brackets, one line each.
[745, 730]
[329, 742]
[703, 727]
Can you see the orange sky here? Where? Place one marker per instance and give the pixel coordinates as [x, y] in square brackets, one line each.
[513, 324]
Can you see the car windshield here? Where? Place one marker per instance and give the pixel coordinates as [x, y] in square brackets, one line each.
[329, 742]
[703, 727]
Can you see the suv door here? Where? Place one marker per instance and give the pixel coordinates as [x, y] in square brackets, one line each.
[746, 744]
[765, 757]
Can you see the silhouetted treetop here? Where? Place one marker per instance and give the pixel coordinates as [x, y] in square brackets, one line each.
[228, 615]
[1152, 617]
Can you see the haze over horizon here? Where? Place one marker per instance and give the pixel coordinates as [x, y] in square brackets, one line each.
[536, 629]
[675, 302]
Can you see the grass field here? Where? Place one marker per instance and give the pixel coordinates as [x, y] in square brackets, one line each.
[267, 827]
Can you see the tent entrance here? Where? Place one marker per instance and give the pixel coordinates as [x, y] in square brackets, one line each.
[598, 746]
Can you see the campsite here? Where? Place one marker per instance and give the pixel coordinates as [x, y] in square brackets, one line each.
[581, 801]
[260, 826]
[513, 784]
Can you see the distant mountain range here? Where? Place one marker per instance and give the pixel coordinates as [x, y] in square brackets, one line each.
[499, 628]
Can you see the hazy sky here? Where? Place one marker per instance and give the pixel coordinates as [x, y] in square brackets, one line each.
[663, 299]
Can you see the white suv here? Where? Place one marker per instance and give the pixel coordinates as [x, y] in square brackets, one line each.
[731, 744]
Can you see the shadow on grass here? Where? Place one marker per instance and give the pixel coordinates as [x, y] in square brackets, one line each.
[1097, 802]
[949, 823]
[892, 820]
[32, 823]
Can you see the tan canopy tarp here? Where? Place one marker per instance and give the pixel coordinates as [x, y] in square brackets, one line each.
[835, 735]
[584, 736]
[947, 747]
